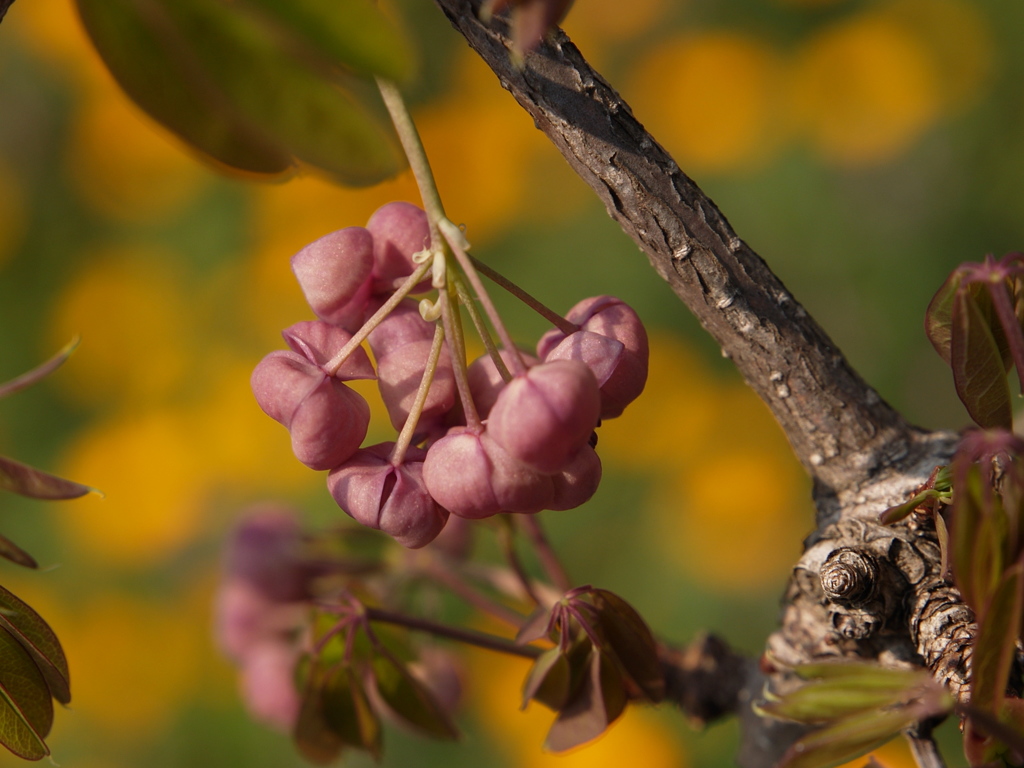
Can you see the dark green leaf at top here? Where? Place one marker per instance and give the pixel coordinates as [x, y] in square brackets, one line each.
[39, 641]
[26, 710]
[354, 34]
[230, 86]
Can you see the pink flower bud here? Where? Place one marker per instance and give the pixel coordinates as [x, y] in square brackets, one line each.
[621, 373]
[326, 419]
[401, 344]
[517, 487]
[319, 342]
[268, 685]
[457, 473]
[543, 417]
[268, 550]
[399, 230]
[334, 274]
[578, 482]
[244, 617]
[388, 497]
[485, 382]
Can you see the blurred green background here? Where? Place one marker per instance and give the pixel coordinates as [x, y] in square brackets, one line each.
[863, 148]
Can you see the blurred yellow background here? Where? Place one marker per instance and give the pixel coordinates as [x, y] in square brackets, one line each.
[863, 148]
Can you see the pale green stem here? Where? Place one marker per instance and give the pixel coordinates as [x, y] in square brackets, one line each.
[492, 313]
[393, 301]
[409, 428]
[461, 382]
[417, 156]
[481, 328]
[550, 315]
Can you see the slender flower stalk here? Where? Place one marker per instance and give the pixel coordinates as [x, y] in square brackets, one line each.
[459, 366]
[492, 312]
[409, 428]
[375, 319]
[541, 309]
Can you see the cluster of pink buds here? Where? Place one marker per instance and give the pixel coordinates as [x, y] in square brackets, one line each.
[507, 433]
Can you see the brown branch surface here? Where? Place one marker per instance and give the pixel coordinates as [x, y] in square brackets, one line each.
[861, 453]
[839, 427]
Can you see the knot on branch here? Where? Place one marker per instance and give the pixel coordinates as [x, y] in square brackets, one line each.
[849, 576]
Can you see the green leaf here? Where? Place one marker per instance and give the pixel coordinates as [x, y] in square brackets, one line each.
[409, 700]
[11, 551]
[979, 362]
[347, 712]
[848, 739]
[549, 680]
[596, 704]
[630, 643]
[36, 484]
[313, 735]
[232, 88]
[352, 33]
[26, 710]
[39, 641]
[995, 647]
[39, 372]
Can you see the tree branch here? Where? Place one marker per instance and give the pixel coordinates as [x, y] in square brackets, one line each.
[861, 453]
[839, 427]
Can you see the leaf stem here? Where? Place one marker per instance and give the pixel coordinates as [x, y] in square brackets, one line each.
[458, 585]
[468, 636]
[508, 546]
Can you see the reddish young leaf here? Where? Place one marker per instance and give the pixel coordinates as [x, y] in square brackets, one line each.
[979, 363]
[26, 710]
[536, 627]
[31, 377]
[548, 680]
[39, 641]
[938, 318]
[11, 551]
[34, 483]
[630, 643]
[596, 704]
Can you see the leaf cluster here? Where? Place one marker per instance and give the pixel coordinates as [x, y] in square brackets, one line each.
[603, 656]
[974, 322]
[855, 707]
[349, 680]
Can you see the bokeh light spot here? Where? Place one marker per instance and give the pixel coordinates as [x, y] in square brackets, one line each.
[864, 90]
[713, 100]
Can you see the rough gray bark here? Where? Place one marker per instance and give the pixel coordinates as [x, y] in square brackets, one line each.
[862, 455]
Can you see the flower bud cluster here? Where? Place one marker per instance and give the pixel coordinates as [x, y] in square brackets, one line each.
[521, 445]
